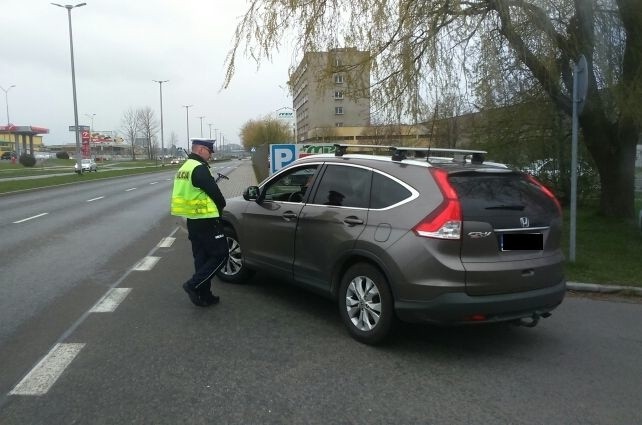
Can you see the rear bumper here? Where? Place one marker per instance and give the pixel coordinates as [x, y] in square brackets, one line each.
[460, 308]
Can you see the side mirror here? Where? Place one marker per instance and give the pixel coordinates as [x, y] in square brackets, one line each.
[251, 193]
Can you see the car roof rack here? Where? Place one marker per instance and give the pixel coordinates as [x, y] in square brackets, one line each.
[341, 149]
[399, 153]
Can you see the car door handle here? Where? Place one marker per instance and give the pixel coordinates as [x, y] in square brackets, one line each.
[289, 215]
[352, 220]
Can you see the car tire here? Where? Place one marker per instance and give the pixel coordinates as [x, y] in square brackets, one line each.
[234, 270]
[366, 304]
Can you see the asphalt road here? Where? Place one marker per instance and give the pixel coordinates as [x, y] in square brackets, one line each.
[270, 353]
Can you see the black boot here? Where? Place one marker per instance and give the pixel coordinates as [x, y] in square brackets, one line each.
[194, 296]
[208, 298]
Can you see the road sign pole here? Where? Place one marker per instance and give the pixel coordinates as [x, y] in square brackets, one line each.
[580, 86]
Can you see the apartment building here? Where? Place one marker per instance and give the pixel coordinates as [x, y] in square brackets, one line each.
[331, 89]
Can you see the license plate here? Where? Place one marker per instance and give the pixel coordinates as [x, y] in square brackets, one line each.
[522, 242]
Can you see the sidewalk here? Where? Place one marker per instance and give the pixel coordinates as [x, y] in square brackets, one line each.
[243, 176]
[240, 178]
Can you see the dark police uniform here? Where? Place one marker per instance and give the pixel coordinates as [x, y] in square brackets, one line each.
[197, 197]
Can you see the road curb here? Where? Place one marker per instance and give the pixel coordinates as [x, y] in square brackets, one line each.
[604, 289]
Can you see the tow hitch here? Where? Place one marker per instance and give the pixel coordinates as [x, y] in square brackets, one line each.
[531, 322]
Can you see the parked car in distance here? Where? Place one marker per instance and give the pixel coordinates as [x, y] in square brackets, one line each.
[7, 155]
[449, 242]
[86, 165]
[175, 161]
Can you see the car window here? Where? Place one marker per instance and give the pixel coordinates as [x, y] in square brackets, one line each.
[344, 186]
[480, 193]
[386, 192]
[291, 185]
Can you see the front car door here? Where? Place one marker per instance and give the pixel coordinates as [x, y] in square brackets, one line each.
[269, 226]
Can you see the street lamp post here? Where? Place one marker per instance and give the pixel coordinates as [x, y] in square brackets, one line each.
[187, 114]
[201, 118]
[91, 129]
[91, 117]
[73, 79]
[6, 99]
[210, 124]
[160, 85]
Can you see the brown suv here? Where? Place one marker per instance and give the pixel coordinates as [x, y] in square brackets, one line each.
[408, 236]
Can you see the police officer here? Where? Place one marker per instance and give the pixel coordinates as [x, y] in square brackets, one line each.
[197, 197]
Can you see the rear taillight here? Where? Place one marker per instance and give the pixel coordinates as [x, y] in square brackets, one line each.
[445, 221]
[546, 191]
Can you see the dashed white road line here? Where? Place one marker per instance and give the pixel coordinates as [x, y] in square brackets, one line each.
[95, 199]
[47, 371]
[146, 263]
[42, 377]
[130, 189]
[111, 300]
[153, 183]
[29, 218]
[166, 242]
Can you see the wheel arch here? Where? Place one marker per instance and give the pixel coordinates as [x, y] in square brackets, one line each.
[351, 258]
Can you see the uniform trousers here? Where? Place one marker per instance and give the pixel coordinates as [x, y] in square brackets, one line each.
[209, 249]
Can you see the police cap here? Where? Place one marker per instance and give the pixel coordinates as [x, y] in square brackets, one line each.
[208, 143]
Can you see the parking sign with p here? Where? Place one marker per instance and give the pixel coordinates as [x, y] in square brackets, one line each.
[281, 155]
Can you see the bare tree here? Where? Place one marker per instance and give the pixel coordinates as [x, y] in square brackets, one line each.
[148, 127]
[381, 134]
[507, 46]
[173, 141]
[130, 127]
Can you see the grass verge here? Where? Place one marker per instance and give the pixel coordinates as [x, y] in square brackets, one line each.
[14, 185]
[64, 166]
[607, 251]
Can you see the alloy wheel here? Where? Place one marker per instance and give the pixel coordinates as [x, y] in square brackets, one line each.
[363, 303]
[234, 262]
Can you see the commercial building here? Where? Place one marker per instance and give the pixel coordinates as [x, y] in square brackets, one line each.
[21, 138]
[331, 89]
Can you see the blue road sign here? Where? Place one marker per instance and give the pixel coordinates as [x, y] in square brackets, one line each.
[281, 155]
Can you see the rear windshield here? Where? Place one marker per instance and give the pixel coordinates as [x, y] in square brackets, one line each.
[480, 193]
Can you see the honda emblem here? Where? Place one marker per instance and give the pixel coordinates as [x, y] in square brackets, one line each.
[524, 221]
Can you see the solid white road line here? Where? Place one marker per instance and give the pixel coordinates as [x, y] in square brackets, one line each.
[95, 199]
[166, 242]
[29, 218]
[146, 263]
[43, 375]
[110, 300]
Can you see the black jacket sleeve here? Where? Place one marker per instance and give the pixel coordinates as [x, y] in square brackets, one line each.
[203, 179]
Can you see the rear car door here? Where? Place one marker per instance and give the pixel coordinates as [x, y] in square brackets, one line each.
[511, 232]
[330, 223]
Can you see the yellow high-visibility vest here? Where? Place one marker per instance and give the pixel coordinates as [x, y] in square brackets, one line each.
[189, 201]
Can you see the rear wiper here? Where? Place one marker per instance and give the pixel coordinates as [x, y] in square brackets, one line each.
[507, 207]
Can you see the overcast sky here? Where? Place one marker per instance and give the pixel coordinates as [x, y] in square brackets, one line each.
[120, 46]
